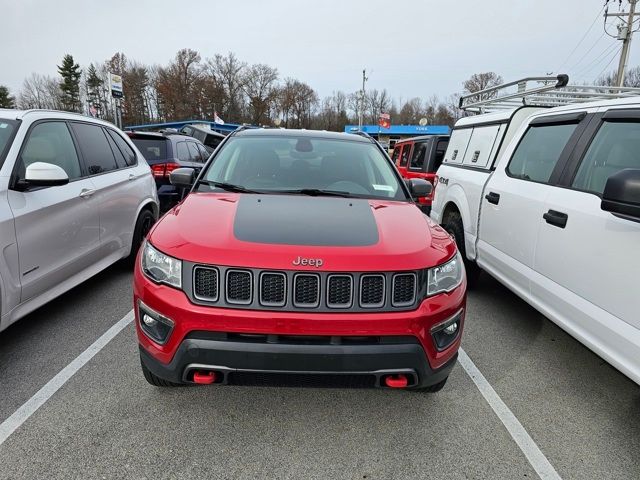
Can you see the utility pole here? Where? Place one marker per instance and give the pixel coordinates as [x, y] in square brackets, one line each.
[625, 33]
[362, 100]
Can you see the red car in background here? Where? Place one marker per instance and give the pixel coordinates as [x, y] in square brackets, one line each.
[420, 157]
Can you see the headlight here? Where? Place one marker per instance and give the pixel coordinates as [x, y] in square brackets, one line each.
[445, 277]
[161, 268]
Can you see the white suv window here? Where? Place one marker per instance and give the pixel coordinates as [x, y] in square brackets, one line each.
[539, 151]
[615, 147]
[50, 142]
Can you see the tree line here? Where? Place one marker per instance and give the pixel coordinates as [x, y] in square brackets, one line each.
[192, 87]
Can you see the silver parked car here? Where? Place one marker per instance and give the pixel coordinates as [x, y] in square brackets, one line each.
[75, 197]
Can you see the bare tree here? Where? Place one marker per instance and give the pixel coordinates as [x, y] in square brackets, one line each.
[481, 81]
[259, 82]
[40, 91]
[178, 84]
[228, 72]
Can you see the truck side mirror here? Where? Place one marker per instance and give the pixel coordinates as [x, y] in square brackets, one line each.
[622, 194]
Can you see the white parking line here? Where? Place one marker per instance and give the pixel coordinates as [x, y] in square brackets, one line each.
[536, 458]
[30, 407]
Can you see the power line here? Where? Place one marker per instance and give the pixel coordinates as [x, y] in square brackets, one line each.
[587, 52]
[597, 60]
[582, 39]
[607, 65]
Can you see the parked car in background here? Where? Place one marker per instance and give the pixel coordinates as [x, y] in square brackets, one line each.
[75, 197]
[164, 152]
[208, 137]
[420, 157]
[548, 202]
[299, 257]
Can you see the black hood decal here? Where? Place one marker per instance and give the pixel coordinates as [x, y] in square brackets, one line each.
[303, 220]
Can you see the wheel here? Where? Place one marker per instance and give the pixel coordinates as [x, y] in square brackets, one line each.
[154, 379]
[453, 224]
[432, 388]
[144, 223]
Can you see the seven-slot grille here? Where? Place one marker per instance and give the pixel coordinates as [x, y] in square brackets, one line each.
[239, 287]
[205, 283]
[303, 290]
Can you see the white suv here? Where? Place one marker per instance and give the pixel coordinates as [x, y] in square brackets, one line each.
[75, 197]
[548, 202]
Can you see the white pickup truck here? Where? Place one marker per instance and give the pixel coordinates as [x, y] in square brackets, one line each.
[547, 200]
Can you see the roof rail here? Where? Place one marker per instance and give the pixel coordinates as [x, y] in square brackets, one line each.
[364, 134]
[547, 91]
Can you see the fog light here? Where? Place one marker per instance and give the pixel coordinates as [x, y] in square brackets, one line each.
[445, 333]
[156, 326]
[451, 329]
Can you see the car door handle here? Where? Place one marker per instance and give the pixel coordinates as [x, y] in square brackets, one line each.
[132, 177]
[493, 198]
[86, 192]
[556, 218]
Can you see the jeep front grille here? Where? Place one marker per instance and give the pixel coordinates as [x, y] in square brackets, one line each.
[289, 290]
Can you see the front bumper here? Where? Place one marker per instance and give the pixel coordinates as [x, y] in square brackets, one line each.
[241, 343]
[243, 363]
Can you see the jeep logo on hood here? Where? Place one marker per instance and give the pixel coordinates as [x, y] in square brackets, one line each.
[312, 262]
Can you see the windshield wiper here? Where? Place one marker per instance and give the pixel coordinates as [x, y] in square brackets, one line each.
[317, 192]
[229, 187]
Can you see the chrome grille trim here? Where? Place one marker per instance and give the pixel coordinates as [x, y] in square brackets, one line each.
[393, 289]
[384, 291]
[226, 287]
[296, 278]
[260, 286]
[339, 305]
[201, 297]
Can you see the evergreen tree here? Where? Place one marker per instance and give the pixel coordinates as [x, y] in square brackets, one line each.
[94, 85]
[70, 84]
[6, 100]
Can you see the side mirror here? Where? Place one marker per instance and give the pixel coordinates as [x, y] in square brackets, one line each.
[41, 174]
[419, 187]
[182, 177]
[622, 194]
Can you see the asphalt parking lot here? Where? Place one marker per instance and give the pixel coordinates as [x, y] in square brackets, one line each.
[107, 422]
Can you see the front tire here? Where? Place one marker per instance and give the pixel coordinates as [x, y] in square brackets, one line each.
[145, 221]
[453, 224]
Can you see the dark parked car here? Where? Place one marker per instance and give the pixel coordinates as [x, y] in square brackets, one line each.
[208, 137]
[164, 153]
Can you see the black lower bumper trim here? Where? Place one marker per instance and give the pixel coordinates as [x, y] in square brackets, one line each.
[249, 363]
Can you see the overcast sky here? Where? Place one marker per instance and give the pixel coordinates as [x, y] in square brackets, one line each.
[411, 48]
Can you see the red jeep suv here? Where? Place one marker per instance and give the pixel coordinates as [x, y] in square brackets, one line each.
[299, 258]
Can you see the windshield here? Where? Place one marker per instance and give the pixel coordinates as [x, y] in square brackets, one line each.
[294, 163]
[151, 148]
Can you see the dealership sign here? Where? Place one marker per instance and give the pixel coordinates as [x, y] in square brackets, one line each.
[115, 82]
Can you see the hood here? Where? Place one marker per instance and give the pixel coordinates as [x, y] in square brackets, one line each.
[293, 232]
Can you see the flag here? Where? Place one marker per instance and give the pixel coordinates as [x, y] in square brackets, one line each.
[384, 120]
[217, 119]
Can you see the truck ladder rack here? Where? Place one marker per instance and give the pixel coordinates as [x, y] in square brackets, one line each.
[539, 91]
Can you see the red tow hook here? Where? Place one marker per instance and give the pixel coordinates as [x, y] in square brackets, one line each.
[204, 378]
[396, 381]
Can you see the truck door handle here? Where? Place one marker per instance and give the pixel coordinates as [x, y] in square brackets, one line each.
[556, 218]
[493, 198]
[86, 192]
